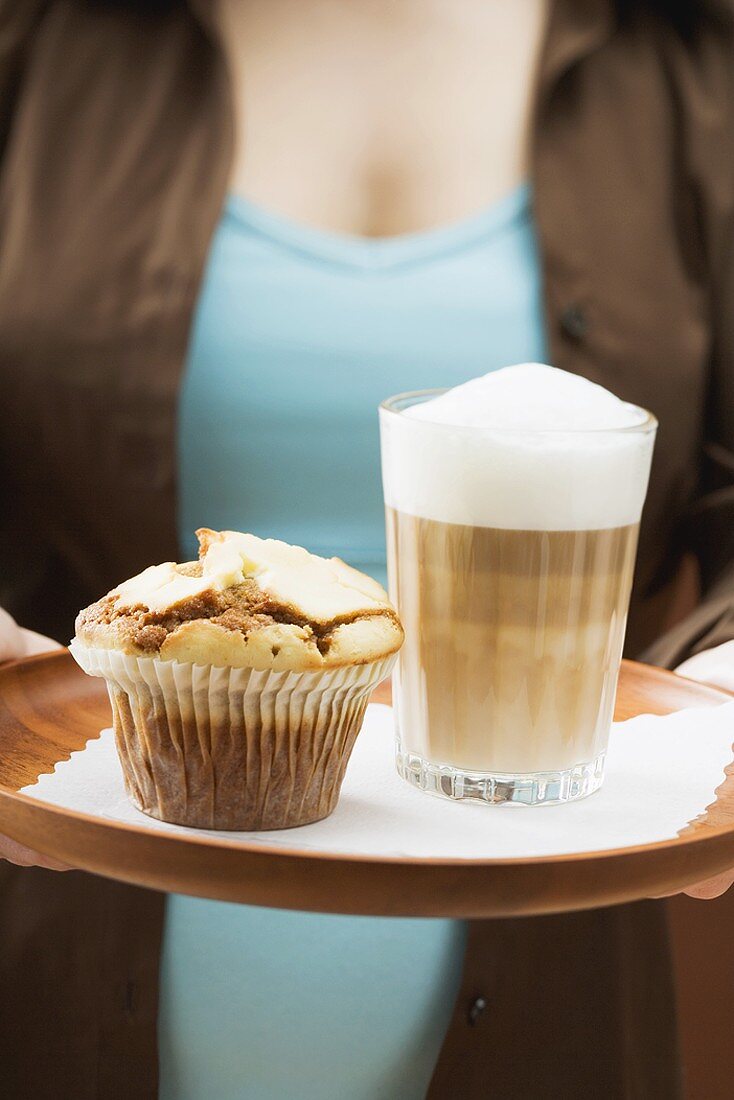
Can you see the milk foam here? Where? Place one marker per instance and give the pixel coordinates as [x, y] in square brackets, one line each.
[528, 447]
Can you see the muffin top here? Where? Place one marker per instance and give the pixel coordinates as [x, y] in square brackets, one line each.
[247, 603]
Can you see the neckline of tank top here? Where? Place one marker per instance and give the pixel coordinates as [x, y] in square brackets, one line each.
[380, 253]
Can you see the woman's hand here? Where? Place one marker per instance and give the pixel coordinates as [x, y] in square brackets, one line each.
[21, 856]
[716, 667]
[16, 642]
[713, 666]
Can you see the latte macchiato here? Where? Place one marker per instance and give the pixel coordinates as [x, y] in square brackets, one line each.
[513, 506]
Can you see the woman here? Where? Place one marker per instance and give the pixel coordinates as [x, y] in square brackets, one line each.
[227, 231]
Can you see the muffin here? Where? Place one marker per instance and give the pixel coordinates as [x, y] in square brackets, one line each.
[239, 682]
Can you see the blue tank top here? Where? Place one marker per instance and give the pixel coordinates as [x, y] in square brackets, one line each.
[299, 334]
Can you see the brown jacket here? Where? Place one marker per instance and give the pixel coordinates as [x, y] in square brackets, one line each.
[116, 135]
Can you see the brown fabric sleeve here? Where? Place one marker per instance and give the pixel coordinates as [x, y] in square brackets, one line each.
[17, 24]
[711, 624]
[708, 137]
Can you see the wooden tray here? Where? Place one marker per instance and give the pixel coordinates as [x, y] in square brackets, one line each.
[49, 709]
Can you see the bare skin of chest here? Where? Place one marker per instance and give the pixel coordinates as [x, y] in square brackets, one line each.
[380, 117]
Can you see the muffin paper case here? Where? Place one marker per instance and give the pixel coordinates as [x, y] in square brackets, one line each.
[232, 748]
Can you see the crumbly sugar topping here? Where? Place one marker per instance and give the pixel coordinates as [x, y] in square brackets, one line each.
[244, 585]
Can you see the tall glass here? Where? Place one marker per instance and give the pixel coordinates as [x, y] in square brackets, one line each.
[510, 559]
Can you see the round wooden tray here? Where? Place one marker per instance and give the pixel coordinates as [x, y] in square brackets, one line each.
[49, 709]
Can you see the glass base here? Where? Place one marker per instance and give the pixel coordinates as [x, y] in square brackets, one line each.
[531, 789]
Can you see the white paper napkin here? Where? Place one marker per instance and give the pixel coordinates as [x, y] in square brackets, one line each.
[661, 774]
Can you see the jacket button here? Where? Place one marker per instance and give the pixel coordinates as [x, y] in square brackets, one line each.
[476, 1009]
[574, 322]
